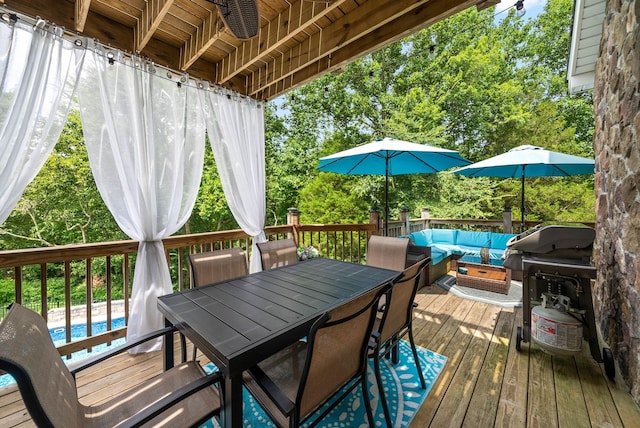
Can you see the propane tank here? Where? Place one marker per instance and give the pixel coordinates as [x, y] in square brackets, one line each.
[553, 328]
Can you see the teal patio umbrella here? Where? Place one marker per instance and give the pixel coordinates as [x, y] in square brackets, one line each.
[529, 161]
[390, 157]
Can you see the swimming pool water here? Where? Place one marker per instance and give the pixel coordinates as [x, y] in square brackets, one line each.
[78, 331]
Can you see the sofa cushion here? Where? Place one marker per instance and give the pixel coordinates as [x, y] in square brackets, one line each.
[466, 238]
[438, 255]
[421, 237]
[464, 250]
[444, 236]
[496, 253]
[447, 248]
[446, 242]
[499, 240]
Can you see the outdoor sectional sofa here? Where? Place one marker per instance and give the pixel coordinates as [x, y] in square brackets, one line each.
[447, 245]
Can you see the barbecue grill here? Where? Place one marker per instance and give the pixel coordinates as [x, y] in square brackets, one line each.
[556, 284]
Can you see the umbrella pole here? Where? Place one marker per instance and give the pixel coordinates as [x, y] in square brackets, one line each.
[522, 201]
[386, 198]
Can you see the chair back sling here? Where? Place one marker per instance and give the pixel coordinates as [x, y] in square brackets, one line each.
[219, 265]
[395, 323]
[278, 253]
[307, 374]
[387, 252]
[215, 266]
[180, 397]
[338, 352]
[398, 312]
[47, 387]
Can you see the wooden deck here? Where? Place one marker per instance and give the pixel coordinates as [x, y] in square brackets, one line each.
[486, 382]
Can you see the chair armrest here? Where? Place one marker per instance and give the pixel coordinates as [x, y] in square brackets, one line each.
[163, 404]
[92, 361]
[419, 250]
[417, 253]
[374, 340]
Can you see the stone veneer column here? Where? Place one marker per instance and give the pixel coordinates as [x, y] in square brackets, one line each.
[617, 187]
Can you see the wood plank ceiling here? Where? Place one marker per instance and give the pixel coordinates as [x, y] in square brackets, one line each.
[297, 41]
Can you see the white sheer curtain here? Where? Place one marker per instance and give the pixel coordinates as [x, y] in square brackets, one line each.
[236, 132]
[38, 75]
[145, 137]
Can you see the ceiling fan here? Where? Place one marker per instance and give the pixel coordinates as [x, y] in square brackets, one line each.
[240, 16]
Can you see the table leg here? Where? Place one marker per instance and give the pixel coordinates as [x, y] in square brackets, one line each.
[395, 357]
[168, 347]
[232, 402]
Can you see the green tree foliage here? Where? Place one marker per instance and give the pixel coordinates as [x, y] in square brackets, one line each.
[333, 198]
[472, 83]
[289, 151]
[62, 204]
[210, 212]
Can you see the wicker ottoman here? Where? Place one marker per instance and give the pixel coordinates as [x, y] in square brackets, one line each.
[489, 277]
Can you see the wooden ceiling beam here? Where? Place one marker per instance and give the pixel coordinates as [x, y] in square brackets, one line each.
[340, 33]
[296, 45]
[152, 16]
[484, 4]
[423, 17]
[274, 36]
[81, 12]
[117, 35]
[307, 61]
[62, 13]
[308, 73]
[202, 39]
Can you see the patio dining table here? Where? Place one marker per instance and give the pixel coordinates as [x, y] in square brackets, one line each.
[239, 322]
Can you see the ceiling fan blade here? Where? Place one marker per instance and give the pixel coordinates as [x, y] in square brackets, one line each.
[241, 17]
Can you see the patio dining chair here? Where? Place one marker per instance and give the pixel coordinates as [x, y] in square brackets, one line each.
[387, 252]
[278, 253]
[394, 322]
[183, 396]
[215, 266]
[218, 265]
[292, 384]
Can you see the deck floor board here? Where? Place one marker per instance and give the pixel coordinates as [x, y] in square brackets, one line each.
[571, 405]
[599, 401]
[541, 395]
[485, 382]
[484, 404]
[512, 408]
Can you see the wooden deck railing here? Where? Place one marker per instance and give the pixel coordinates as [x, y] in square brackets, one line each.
[404, 225]
[96, 279]
[343, 242]
[85, 271]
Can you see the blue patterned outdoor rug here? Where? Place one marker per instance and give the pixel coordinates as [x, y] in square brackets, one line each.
[402, 389]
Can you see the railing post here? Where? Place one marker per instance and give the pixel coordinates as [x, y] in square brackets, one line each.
[293, 219]
[507, 221]
[404, 219]
[425, 215]
[374, 218]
